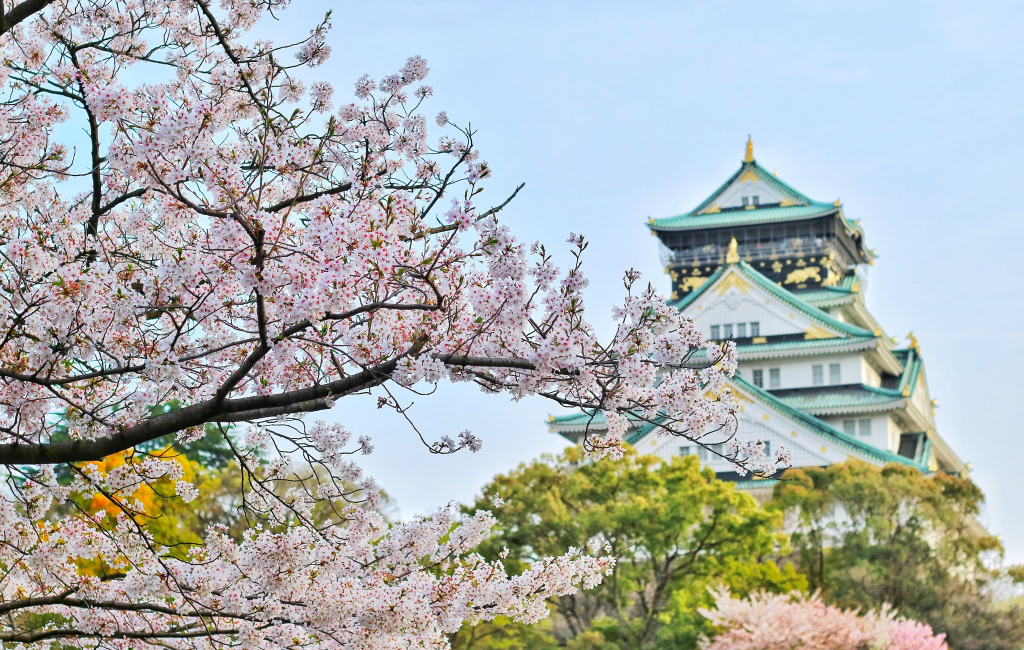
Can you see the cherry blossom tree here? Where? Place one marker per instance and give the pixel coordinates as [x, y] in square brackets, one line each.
[222, 238]
[766, 621]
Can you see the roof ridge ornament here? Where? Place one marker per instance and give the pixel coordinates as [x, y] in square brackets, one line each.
[749, 157]
[913, 342]
[733, 256]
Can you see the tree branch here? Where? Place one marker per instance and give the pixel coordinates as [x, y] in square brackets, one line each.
[20, 12]
[305, 198]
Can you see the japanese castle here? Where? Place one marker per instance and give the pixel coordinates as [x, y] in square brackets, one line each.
[779, 273]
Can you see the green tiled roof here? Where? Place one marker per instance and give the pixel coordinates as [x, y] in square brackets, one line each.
[839, 397]
[912, 364]
[578, 419]
[599, 423]
[778, 292]
[804, 208]
[824, 429]
[830, 296]
[806, 347]
[829, 400]
[827, 430]
[809, 346]
[735, 217]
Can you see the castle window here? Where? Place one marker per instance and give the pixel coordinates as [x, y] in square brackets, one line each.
[865, 428]
[684, 451]
[775, 378]
[746, 201]
[767, 448]
[741, 330]
[850, 427]
[702, 454]
[818, 375]
[757, 200]
[727, 331]
[715, 334]
[755, 329]
[908, 445]
[835, 373]
[759, 378]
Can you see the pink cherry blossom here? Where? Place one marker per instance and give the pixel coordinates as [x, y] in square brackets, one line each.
[220, 241]
[765, 621]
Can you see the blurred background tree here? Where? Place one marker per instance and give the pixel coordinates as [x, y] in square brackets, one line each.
[866, 535]
[675, 529]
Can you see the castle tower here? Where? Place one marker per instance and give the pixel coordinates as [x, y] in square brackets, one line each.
[785, 235]
[763, 265]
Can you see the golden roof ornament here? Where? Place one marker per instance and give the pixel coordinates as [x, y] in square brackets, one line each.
[913, 342]
[733, 256]
[749, 157]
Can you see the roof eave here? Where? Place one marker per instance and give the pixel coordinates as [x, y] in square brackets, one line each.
[655, 227]
[855, 346]
[857, 410]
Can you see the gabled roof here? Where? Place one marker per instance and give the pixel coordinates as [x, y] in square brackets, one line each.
[780, 293]
[762, 174]
[793, 206]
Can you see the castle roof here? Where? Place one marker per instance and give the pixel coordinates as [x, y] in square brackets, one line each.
[781, 202]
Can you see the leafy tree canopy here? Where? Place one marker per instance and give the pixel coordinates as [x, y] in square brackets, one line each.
[867, 536]
[675, 530]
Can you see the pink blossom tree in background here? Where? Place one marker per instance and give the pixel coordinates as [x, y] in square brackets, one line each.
[765, 621]
[225, 240]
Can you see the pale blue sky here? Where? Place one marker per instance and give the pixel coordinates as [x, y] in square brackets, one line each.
[610, 113]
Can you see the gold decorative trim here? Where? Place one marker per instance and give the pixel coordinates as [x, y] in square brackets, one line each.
[733, 256]
[689, 284]
[804, 275]
[733, 280]
[749, 176]
[814, 332]
[786, 203]
[748, 157]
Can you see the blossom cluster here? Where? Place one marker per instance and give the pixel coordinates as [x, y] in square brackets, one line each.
[765, 621]
[228, 242]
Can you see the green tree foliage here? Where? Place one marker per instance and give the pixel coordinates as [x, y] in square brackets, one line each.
[675, 530]
[866, 535]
